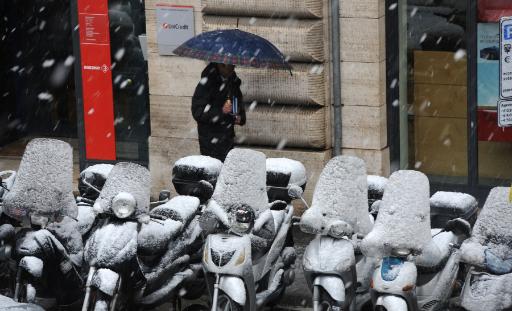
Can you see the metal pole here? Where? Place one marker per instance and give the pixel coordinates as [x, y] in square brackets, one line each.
[336, 73]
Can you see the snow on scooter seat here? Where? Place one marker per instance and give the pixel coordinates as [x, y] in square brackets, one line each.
[452, 200]
[492, 230]
[403, 221]
[340, 199]
[44, 183]
[242, 180]
[210, 165]
[296, 169]
[129, 178]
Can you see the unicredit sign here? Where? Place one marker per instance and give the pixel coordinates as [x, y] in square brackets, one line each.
[175, 25]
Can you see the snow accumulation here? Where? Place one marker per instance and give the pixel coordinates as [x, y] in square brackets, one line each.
[243, 180]
[491, 291]
[403, 221]
[105, 280]
[376, 183]
[33, 265]
[99, 169]
[112, 245]
[127, 177]
[154, 236]
[453, 200]
[7, 303]
[340, 195]
[211, 165]
[85, 218]
[492, 228]
[295, 168]
[180, 208]
[44, 183]
[68, 233]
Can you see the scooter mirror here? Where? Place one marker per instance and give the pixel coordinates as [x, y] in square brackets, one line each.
[295, 192]
[164, 195]
[458, 226]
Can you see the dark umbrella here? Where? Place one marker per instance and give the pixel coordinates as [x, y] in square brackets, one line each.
[234, 47]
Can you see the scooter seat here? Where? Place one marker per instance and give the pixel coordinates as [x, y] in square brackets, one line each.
[154, 236]
[181, 208]
[437, 251]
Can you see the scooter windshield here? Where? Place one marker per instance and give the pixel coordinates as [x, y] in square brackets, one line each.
[492, 228]
[128, 178]
[340, 195]
[44, 183]
[242, 180]
[403, 222]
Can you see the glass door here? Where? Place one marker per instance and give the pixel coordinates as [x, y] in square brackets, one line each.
[437, 102]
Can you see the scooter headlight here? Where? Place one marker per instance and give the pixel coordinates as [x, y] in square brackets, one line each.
[241, 218]
[123, 205]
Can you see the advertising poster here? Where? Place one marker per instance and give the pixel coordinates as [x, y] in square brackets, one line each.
[488, 64]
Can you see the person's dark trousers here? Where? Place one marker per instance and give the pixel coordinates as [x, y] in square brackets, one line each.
[215, 148]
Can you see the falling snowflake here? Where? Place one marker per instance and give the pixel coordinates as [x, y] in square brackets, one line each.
[203, 81]
[393, 6]
[69, 61]
[253, 106]
[48, 63]
[45, 96]
[252, 21]
[281, 144]
[91, 111]
[119, 54]
[459, 55]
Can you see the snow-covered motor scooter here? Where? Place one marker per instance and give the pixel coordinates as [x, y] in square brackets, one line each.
[418, 270]
[246, 260]
[137, 258]
[489, 254]
[7, 241]
[49, 247]
[334, 268]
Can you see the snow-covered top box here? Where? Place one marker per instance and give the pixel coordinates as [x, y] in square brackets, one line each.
[293, 168]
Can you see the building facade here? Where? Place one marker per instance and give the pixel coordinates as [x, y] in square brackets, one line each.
[419, 85]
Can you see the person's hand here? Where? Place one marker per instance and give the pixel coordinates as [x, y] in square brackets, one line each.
[238, 120]
[226, 109]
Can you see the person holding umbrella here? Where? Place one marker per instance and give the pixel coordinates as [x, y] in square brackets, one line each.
[217, 102]
[216, 109]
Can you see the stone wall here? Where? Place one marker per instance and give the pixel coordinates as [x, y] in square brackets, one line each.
[288, 116]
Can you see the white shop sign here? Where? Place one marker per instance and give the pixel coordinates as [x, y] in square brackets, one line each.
[506, 58]
[505, 113]
[174, 26]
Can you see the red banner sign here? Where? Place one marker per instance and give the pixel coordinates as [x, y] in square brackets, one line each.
[96, 67]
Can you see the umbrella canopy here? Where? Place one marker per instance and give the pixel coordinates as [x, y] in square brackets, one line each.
[234, 47]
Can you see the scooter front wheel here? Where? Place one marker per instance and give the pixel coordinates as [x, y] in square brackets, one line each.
[225, 303]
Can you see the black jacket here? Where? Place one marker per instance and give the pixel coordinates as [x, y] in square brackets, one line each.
[216, 129]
